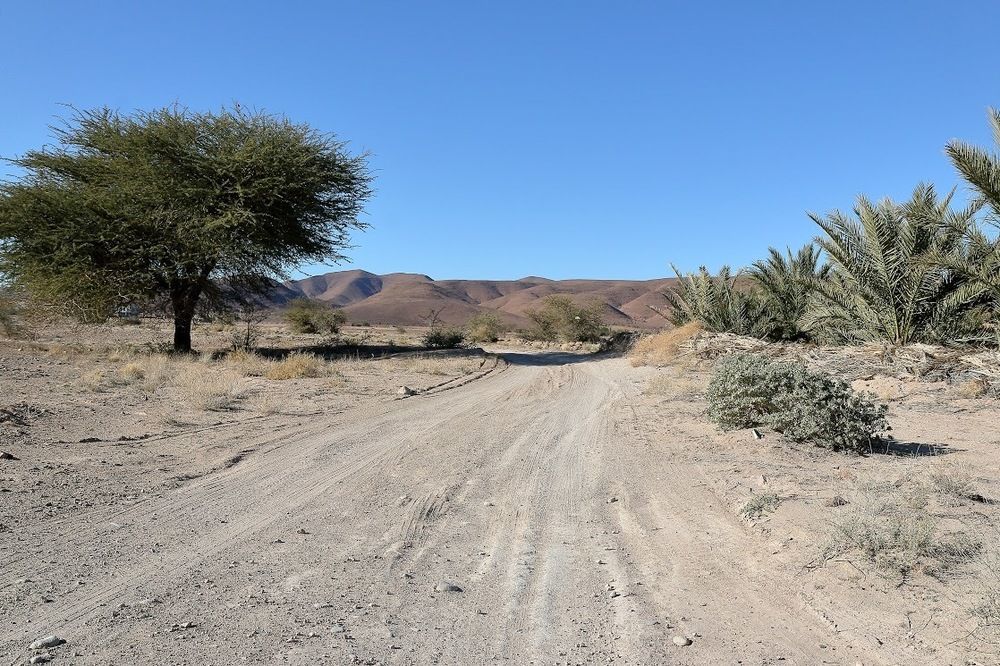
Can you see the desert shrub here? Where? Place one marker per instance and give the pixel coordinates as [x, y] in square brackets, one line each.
[307, 316]
[891, 526]
[208, 388]
[747, 390]
[759, 505]
[559, 318]
[485, 327]
[717, 303]
[444, 338]
[297, 365]
[662, 348]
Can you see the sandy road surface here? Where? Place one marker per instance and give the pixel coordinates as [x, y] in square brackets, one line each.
[535, 489]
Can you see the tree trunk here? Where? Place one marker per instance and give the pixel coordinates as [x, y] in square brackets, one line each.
[182, 334]
[183, 298]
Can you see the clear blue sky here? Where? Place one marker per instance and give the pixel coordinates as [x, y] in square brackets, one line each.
[566, 139]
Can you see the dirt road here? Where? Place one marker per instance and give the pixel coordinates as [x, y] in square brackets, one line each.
[540, 490]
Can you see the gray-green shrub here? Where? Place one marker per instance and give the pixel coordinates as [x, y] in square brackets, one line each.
[307, 316]
[444, 338]
[747, 391]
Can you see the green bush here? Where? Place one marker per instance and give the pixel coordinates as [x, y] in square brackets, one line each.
[748, 391]
[485, 327]
[717, 303]
[560, 318]
[307, 316]
[444, 338]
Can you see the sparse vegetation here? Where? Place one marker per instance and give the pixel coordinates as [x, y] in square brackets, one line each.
[787, 283]
[889, 523]
[485, 327]
[306, 316]
[441, 337]
[663, 348]
[748, 391]
[560, 318]
[759, 505]
[297, 365]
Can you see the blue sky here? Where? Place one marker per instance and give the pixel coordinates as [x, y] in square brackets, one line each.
[564, 139]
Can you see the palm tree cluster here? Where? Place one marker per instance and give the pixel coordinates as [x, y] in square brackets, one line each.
[921, 270]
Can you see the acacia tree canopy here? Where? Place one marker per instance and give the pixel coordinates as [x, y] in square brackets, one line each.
[163, 206]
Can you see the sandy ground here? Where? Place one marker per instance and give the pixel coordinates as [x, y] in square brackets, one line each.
[534, 507]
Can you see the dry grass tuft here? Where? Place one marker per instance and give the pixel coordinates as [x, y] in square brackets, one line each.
[432, 365]
[248, 364]
[953, 483]
[890, 525]
[974, 388]
[663, 348]
[759, 505]
[210, 389]
[298, 365]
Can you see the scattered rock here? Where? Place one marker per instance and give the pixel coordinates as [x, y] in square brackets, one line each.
[599, 561]
[338, 629]
[40, 658]
[757, 434]
[836, 500]
[8, 456]
[405, 391]
[46, 642]
[612, 499]
[445, 586]
[301, 530]
[681, 641]
[90, 440]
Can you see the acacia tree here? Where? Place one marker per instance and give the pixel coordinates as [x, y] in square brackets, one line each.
[165, 206]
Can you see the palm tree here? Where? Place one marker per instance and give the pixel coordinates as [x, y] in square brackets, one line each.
[716, 302]
[891, 278]
[786, 282]
[982, 171]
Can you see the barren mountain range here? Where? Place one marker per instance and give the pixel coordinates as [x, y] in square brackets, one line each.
[407, 298]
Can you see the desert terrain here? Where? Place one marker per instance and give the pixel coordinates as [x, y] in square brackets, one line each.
[406, 298]
[515, 505]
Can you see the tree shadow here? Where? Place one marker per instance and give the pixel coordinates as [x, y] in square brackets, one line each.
[547, 358]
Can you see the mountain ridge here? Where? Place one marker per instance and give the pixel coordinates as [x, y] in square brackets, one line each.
[407, 299]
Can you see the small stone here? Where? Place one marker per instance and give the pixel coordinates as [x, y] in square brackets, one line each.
[405, 391]
[612, 499]
[599, 561]
[40, 658]
[46, 642]
[757, 434]
[836, 500]
[487, 503]
[338, 629]
[188, 625]
[445, 586]
[681, 641]
[301, 530]
[8, 456]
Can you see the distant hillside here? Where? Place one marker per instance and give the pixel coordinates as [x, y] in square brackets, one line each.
[406, 298]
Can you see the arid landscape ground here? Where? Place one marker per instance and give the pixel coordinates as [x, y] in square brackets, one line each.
[518, 505]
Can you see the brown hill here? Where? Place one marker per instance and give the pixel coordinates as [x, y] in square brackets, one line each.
[407, 298]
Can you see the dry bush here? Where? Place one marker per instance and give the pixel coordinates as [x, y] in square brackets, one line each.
[247, 363]
[663, 348]
[208, 388]
[264, 404]
[889, 523]
[974, 388]
[298, 365]
[953, 483]
[93, 380]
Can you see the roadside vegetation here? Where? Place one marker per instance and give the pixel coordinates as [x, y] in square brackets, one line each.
[559, 318]
[917, 271]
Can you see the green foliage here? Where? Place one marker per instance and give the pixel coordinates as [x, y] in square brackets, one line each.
[305, 315]
[759, 505]
[981, 169]
[559, 318]
[891, 279]
[444, 338]
[786, 283]
[485, 327]
[161, 206]
[717, 303]
[8, 314]
[748, 391]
